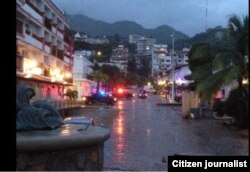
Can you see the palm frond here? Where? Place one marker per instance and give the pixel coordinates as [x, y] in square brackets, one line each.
[234, 23]
[232, 73]
[222, 60]
[211, 84]
[202, 71]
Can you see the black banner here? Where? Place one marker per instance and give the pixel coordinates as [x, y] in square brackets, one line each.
[208, 163]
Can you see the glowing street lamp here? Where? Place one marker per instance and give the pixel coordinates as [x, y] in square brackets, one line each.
[99, 53]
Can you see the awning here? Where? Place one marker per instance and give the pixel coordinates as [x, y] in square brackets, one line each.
[41, 79]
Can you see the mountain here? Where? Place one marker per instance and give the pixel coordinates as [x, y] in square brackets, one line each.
[215, 36]
[92, 27]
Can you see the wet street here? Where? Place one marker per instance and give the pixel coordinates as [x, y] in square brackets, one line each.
[143, 134]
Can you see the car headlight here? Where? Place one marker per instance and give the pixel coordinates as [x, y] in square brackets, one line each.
[115, 98]
[84, 98]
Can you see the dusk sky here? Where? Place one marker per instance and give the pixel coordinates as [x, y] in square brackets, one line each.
[187, 16]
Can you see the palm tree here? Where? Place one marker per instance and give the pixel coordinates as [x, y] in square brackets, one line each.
[71, 94]
[99, 76]
[228, 64]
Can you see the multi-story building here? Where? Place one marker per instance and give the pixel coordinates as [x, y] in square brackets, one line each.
[81, 69]
[182, 57]
[144, 47]
[119, 58]
[132, 39]
[171, 65]
[161, 60]
[44, 48]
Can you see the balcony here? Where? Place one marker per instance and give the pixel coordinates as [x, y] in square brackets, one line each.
[60, 26]
[47, 49]
[37, 37]
[66, 59]
[59, 34]
[48, 43]
[31, 40]
[33, 11]
[53, 30]
[34, 7]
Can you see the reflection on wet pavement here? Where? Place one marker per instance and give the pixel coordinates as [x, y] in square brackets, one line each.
[142, 133]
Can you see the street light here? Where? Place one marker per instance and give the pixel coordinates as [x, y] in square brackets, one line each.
[99, 53]
[173, 66]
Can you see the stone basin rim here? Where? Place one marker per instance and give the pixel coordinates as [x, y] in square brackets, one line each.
[41, 140]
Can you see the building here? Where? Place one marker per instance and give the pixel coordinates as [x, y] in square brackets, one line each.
[132, 39]
[85, 38]
[161, 60]
[97, 40]
[81, 69]
[119, 58]
[43, 58]
[179, 74]
[144, 47]
[85, 53]
[182, 56]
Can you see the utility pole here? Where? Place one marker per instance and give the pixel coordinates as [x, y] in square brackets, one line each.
[206, 15]
[173, 66]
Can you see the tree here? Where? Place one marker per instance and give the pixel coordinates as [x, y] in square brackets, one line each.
[201, 57]
[99, 76]
[228, 65]
[145, 68]
[71, 94]
[115, 76]
[132, 65]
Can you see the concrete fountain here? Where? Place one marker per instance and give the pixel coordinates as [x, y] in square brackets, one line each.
[45, 143]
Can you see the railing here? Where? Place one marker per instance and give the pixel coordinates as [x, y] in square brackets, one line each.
[31, 9]
[62, 104]
[34, 7]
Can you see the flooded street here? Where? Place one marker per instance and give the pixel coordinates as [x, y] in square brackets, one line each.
[144, 134]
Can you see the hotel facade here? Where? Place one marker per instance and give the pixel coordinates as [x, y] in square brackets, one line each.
[43, 48]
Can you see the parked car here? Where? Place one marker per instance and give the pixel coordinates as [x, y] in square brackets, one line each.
[101, 97]
[142, 94]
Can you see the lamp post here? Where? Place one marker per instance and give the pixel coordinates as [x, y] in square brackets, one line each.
[173, 66]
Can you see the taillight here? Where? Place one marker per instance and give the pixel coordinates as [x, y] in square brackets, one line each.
[120, 91]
